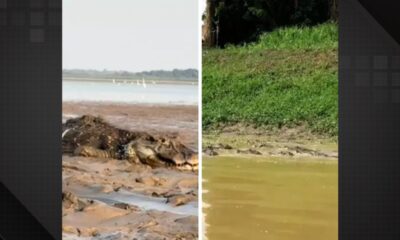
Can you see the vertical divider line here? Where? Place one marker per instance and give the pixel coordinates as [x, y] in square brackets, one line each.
[200, 132]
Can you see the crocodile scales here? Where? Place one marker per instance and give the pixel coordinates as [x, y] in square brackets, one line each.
[91, 136]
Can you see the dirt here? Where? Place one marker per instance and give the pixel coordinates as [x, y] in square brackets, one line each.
[171, 120]
[115, 199]
[286, 142]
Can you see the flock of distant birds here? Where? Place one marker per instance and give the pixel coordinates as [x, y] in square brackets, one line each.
[143, 84]
[138, 82]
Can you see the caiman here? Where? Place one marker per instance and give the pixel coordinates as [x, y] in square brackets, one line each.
[91, 136]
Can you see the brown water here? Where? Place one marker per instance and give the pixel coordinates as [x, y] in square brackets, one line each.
[276, 199]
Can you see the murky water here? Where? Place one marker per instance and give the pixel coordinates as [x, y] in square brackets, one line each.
[275, 199]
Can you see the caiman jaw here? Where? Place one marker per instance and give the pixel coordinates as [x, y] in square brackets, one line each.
[190, 165]
[187, 167]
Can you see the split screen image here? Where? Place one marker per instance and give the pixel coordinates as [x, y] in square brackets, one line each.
[200, 120]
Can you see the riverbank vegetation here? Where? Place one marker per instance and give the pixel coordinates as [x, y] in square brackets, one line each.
[287, 78]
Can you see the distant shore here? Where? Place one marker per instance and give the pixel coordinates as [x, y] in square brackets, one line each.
[130, 81]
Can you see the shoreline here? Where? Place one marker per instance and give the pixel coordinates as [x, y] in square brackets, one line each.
[167, 105]
[288, 143]
[129, 81]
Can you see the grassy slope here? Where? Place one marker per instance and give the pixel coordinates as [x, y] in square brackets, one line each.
[288, 78]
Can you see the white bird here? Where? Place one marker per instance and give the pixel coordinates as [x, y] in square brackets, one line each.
[113, 81]
[137, 83]
[144, 83]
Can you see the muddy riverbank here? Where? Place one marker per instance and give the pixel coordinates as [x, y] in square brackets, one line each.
[107, 198]
[172, 120]
[248, 141]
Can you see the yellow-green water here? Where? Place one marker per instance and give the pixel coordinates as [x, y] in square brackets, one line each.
[273, 199]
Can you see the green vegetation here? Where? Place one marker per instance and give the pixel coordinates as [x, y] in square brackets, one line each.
[323, 37]
[242, 21]
[289, 77]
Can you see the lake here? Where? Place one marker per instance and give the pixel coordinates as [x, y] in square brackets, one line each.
[270, 198]
[152, 93]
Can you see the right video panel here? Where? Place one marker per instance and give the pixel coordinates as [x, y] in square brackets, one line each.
[270, 119]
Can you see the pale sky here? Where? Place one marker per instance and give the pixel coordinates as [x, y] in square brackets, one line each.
[132, 35]
[203, 4]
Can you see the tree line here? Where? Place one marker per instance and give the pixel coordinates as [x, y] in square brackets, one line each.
[176, 74]
[238, 21]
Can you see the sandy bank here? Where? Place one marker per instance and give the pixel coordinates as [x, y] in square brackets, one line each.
[116, 199]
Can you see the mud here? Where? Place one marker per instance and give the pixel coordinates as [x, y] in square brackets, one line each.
[105, 198]
[174, 121]
[291, 143]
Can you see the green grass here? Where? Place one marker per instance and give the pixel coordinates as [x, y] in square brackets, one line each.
[287, 78]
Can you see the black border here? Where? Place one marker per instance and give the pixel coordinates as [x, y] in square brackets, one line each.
[30, 123]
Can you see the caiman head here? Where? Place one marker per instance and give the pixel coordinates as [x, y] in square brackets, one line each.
[163, 152]
[181, 156]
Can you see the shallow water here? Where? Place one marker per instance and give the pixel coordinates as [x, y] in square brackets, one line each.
[141, 201]
[275, 199]
[130, 92]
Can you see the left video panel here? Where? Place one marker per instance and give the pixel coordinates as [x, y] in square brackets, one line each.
[130, 119]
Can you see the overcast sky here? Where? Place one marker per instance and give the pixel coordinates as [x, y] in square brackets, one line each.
[203, 5]
[133, 35]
